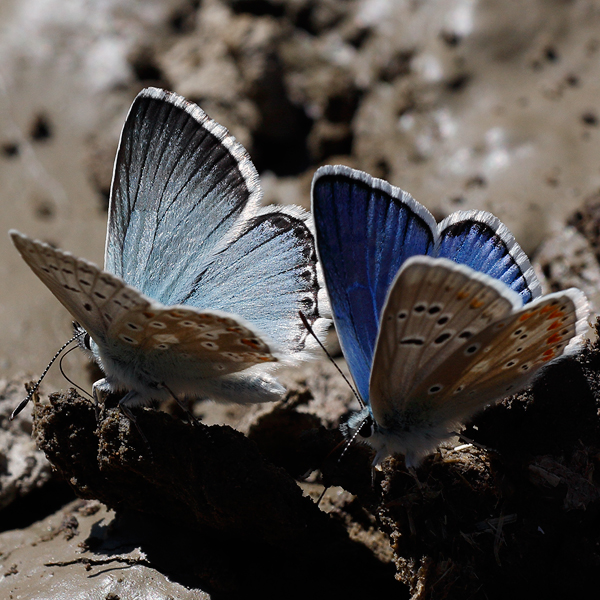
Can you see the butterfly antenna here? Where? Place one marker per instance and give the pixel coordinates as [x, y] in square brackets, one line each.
[34, 389]
[311, 331]
[60, 366]
[346, 444]
[332, 451]
[352, 438]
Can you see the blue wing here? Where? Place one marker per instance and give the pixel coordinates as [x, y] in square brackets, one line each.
[180, 187]
[481, 241]
[366, 229]
[268, 273]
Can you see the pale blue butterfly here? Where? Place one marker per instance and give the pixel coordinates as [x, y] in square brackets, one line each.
[435, 321]
[201, 288]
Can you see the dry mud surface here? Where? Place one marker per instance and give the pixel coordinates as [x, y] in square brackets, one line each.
[481, 104]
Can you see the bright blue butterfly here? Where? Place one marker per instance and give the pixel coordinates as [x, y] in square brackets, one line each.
[202, 287]
[435, 321]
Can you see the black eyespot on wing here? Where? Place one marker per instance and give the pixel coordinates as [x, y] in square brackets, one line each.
[412, 341]
[440, 339]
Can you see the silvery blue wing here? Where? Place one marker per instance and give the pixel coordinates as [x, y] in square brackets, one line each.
[201, 287]
[435, 321]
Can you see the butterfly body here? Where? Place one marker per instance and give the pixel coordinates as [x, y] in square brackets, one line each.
[462, 322]
[201, 287]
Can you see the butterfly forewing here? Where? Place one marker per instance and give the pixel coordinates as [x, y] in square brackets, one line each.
[180, 186]
[366, 229]
[82, 288]
[434, 307]
[504, 357]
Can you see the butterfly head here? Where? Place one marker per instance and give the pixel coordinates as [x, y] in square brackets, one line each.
[360, 425]
[85, 341]
[412, 437]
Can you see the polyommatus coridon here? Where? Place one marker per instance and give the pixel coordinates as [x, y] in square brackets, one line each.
[435, 321]
[201, 288]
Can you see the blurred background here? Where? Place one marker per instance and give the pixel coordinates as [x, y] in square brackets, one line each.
[487, 104]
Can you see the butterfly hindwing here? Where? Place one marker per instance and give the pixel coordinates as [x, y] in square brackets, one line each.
[434, 307]
[481, 241]
[179, 339]
[366, 229]
[268, 272]
[180, 187]
[504, 357]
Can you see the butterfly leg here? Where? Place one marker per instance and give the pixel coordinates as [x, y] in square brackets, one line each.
[413, 474]
[181, 403]
[130, 398]
[100, 391]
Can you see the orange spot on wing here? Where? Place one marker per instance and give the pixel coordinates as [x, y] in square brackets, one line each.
[235, 329]
[546, 309]
[548, 355]
[462, 295]
[554, 325]
[252, 343]
[476, 303]
[525, 316]
[556, 314]
[553, 339]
